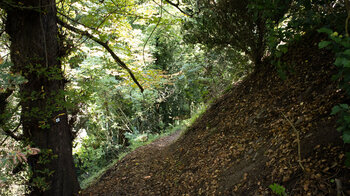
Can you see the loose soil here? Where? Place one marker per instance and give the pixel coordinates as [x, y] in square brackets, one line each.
[243, 143]
[136, 170]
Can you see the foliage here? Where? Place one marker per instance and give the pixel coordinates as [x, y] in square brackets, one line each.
[109, 105]
[343, 113]
[97, 167]
[278, 189]
[11, 160]
[310, 15]
[240, 25]
[91, 157]
[7, 78]
[183, 63]
[177, 77]
[340, 45]
[287, 21]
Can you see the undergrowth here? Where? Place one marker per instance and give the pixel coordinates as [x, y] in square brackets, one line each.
[340, 45]
[135, 143]
[198, 112]
[133, 146]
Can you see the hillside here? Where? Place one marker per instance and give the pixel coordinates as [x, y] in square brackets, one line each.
[245, 141]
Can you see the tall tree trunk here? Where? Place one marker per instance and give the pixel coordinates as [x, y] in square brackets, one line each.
[32, 27]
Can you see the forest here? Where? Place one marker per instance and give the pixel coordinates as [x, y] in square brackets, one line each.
[174, 97]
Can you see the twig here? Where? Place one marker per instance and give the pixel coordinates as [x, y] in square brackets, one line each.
[177, 7]
[160, 18]
[165, 10]
[12, 134]
[339, 187]
[347, 5]
[106, 46]
[298, 140]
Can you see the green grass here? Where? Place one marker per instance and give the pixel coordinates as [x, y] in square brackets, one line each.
[95, 176]
[198, 113]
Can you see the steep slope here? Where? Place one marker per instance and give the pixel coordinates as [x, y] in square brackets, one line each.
[245, 141]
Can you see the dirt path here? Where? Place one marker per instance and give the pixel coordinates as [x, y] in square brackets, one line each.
[242, 143]
[134, 174]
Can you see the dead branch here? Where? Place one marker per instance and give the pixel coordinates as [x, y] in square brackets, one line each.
[298, 140]
[339, 187]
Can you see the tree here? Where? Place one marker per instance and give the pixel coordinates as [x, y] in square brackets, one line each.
[240, 25]
[35, 52]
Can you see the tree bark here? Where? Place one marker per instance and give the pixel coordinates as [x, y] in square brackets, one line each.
[3, 104]
[32, 27]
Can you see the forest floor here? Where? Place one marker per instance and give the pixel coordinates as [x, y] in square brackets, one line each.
[131, 175]
[245, 141]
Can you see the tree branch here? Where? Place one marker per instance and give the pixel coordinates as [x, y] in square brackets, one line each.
[12, 134]
[105, 45]
[5, 5]
[176, 5]
[3, 103]
[74, 21]
[160, 19]
[165, 9]
[3, 97]
[9, 4]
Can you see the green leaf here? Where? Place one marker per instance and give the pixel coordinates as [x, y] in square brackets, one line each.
[344, 106]
[284, 49]
[278, 54]
[347, 52]
[339, 62]
[345, 43]
[324, 44]
[341, 128]
[346, 137]
[338, 40]
[342, 62]
[325, 30]
[278, 189]
[346, 63]
[347, 119]
[335, 110]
